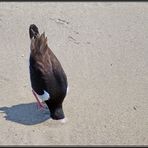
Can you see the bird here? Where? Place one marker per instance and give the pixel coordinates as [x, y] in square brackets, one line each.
[48, 78]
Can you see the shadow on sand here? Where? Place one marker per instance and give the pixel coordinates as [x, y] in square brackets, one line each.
[27, 114]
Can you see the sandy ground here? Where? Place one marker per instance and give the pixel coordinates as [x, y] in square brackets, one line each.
[103, 47]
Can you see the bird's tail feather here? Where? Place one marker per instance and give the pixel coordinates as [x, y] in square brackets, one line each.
[33, 31]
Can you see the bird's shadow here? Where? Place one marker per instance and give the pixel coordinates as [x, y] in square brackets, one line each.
[27, 114]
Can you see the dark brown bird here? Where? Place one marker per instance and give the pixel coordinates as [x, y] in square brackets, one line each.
[47, 76]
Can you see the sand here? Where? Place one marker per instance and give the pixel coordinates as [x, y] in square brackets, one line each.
[103, 48]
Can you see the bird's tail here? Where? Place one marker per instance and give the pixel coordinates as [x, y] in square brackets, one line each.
[33, 31]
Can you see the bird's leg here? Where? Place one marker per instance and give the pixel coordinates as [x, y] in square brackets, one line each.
[39, 104]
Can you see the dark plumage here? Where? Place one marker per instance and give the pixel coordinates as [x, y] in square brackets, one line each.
[46, 73]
